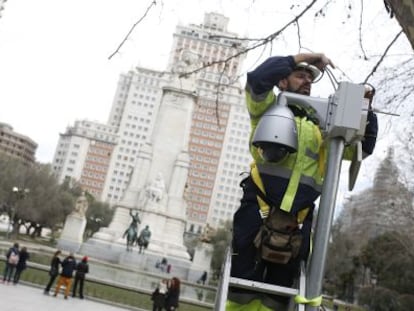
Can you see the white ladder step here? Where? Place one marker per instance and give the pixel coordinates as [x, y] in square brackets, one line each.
[263, 287]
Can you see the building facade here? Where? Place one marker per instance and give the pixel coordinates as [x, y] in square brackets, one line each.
[16, 145]
[83, 155]
[219, 134]
[133, 114]
[218, 143]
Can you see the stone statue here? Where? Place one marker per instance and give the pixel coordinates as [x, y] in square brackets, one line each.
[131, 232]
[134, 223]
[188, 62]
[71, 237]
[155, 190]
[144, 238]
[208, 232]
[81, 205]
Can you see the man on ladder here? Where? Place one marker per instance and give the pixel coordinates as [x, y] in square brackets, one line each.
[272, 227]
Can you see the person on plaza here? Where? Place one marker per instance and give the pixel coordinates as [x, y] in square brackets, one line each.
[53, 271]
[65, 277]
[173, 294]
[12, 258]
[81, 269]
[21, 264]
[162, 265]
[270, 193]
[203, 278]
[158, 296]
[143, 239]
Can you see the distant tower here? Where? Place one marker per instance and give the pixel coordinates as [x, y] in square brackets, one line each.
[219, 119]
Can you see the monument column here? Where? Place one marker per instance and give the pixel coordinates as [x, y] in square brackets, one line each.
[131, 198]
[161, 208]
[177, 207]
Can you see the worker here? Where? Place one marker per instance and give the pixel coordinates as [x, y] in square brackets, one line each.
[271, 195]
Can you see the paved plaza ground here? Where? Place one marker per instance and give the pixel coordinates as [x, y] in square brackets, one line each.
[23, 298]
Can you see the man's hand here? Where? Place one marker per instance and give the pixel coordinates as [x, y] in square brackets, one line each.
[322, 62]
[319, 60]
[369, 94]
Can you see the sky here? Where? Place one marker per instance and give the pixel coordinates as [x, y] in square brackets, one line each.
[54, 66]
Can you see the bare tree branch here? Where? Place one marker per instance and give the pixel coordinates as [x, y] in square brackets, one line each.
[261, 42]
[382, 57]
[299, 41]
[132, 28]
[360, 30]
[218, 93]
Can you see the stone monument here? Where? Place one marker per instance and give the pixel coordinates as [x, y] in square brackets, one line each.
[72, 234]
[156, 187]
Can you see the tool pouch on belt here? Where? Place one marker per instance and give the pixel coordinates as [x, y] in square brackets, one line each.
[279, 239]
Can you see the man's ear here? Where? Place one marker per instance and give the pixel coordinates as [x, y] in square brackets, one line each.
[283, 84]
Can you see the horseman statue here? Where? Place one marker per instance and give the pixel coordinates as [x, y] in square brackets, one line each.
[143, 239]
[132, 232]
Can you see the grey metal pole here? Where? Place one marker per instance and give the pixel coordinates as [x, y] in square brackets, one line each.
[324, 221]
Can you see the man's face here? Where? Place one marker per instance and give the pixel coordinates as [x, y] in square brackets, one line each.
[299, 81]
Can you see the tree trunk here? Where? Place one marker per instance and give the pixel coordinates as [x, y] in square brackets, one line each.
[404, 13]
[15, 228]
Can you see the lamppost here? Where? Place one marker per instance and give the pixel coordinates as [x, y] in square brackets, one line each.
[17, 194]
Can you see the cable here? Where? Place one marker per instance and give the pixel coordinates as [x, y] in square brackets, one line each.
[332, 78]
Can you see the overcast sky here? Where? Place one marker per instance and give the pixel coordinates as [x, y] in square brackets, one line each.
[54, 66]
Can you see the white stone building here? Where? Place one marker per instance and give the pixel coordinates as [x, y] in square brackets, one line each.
[218, 143]
[83, 154]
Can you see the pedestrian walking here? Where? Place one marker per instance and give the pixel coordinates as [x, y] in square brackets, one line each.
[173, 294]
[81, 269]
[65, 278]
[21, 264]
[158, 296]
[203, 278]
[54, 270]
[12, 258]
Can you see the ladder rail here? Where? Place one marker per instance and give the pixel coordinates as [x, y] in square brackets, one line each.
[226, 280]
[221, 297]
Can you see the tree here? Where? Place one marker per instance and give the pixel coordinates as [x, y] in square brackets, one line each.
[389, 260]
[220, 242]
[404, 12]
[376, 227]
[46, 203]
[379, 299]
[343, 269]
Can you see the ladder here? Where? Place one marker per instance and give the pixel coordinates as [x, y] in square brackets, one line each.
[310, 281]
[226, 280]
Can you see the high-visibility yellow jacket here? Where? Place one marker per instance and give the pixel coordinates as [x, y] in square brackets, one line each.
[298, 178]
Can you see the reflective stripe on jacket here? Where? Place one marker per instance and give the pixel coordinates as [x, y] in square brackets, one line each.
[306, 166]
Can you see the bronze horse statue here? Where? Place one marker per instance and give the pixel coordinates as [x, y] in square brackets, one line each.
[132, 232]
[143, 239]
[131, 238]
